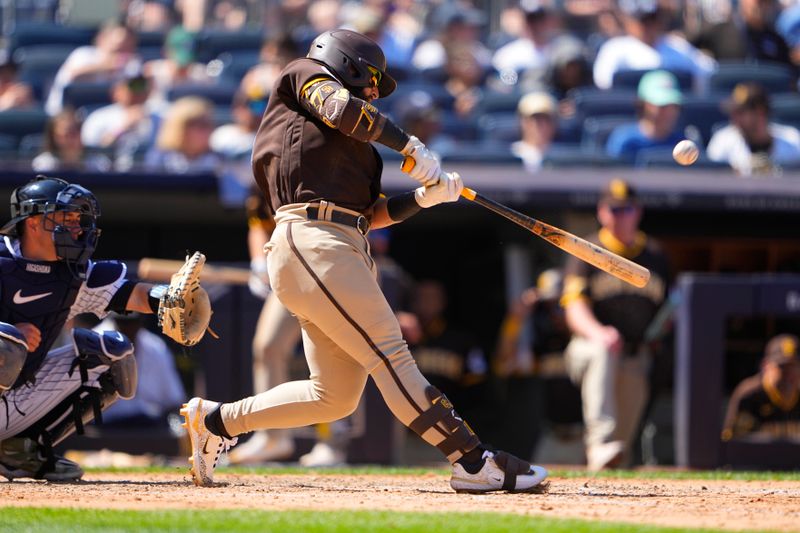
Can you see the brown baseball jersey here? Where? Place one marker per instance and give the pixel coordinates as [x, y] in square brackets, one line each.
[299, 156]
[614, 302]
[757, 407]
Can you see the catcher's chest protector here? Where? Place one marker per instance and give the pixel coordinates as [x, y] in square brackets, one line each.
[39, 293]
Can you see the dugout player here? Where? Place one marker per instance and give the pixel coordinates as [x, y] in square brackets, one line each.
[607, 356]
[314, 160]
[768, 404]
[46, 278]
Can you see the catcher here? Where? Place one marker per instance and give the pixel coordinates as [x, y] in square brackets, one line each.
[47, 278]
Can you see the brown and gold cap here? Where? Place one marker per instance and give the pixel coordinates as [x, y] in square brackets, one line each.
[782, 349]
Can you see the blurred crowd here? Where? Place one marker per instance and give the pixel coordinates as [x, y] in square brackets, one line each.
[180, 86]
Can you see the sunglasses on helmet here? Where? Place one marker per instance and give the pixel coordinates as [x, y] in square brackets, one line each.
[376, 75]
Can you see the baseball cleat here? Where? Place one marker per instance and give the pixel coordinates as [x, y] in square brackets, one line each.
[206, 447]
[22, 458]
[500, 471]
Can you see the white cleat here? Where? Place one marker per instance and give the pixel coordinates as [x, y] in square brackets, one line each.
[262, 448]
[323, 454]
[206, 447]
[500, 471]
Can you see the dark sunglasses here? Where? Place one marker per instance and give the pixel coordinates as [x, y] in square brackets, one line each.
[137, 85]
[623, 209]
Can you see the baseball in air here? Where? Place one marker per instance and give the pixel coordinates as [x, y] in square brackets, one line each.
[685, 152]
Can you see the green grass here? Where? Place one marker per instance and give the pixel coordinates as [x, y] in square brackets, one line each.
[48, 520]
[415, 471]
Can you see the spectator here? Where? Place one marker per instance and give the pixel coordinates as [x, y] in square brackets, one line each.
[532, 49]
[646, 45]
[13, 92]
[176, 68]
[465, 77]
[569, 68]
[125, 126]
[751, 144]
[458, 25]
[748, 35]
[183, 142]
[63, 149]
[159, 390]
[418, 114]
[516, 362]
[236, 139]
[766, 405]
[658, 109]
[538, 120]
[276, 52]
[448, 356]
[607, 357]
[150, 15]
[114, 47]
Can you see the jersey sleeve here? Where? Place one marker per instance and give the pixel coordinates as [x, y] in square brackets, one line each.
[103, 280]
[326, 99]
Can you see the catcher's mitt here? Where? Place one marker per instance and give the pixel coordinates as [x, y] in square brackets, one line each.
[184, 310]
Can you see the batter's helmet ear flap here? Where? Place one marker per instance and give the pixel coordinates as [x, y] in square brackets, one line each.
[355, 59]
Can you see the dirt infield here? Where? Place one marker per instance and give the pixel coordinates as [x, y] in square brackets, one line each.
[689, 503]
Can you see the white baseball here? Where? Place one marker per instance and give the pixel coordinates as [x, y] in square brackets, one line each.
[685, 152]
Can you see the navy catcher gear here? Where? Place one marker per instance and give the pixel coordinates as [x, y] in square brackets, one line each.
[356, 60]
[13, 350]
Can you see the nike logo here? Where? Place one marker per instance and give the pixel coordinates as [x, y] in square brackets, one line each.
[20, 299]
[205, 446]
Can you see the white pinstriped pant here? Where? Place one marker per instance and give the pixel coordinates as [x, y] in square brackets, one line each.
[23, 406]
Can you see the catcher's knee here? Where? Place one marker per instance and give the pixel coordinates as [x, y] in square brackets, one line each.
[13, 351]
[110, 348]
[442, 418]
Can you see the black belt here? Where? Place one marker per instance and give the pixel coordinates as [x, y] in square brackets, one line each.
[359, 222]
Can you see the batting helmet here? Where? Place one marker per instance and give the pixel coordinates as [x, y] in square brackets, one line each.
[43, 196]
[354, 58]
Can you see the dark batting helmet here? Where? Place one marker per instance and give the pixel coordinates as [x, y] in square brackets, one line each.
[44, 196]
[354, 58]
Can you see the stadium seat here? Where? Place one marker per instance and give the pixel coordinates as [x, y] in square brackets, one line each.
[37, 33]
[31, 145]
[596, 130]
[499, 127]
[441, 97]
[236, 64]
[38, 65]
[785, 108]
[629, 79]
[775, 77]
[598, 102]
[570, 155]
[479, 152]
[219, 95]
[211, 43]
[495, 102]
[18, 123]
[87, 94]
[460, 128]
[8, 146]
[703, 112]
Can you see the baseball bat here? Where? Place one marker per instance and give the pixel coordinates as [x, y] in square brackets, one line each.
[607, 261]
[153, 269]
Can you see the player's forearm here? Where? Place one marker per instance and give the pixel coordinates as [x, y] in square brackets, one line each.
[139, 298]
[380, 215]
[335, 106]
[581, 320]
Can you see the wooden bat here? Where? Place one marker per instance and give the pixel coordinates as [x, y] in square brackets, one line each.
[607, 261]
[153, 269]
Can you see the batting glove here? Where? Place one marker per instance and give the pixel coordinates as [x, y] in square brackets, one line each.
[447, 190]
[426, 167]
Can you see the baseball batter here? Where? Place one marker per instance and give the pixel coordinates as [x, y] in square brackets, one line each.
[48, 277]
[313, 160]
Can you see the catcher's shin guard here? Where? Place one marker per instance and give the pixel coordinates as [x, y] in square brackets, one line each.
[459, 437]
